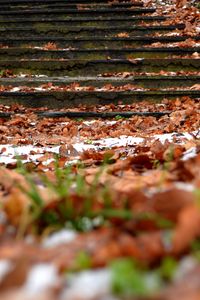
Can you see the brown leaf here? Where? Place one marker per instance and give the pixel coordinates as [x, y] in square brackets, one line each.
[195, 87]
[187, 229]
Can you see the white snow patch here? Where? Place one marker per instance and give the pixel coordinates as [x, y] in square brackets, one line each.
[121, 141]
[15, 89]
[40, 278]
[40, 76]
[170, 136]
[5, 267]
[47, 162]
[185, 186]
[186, 265]
[11, 152]
[40, 89]
[9, 156]
[88, 285]
[62, 237]
[189, 153]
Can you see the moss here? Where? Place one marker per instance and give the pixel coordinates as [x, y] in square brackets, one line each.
[41, 27]
[68, 99]
[82, 67]
[146, 55]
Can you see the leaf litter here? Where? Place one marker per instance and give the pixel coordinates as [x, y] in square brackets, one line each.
[95, 196]
[83, 202]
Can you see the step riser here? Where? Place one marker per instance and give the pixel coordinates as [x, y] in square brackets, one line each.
[71, 99]
[67, 6]
[82, 44]
[13, 2]
[72, 44]
[80, 68]
[81, 32]
[140, 82]
[16, 55]
[89, 114]
[78, 22]
[65, 14]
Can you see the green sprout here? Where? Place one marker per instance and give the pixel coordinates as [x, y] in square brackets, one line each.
[128, 280]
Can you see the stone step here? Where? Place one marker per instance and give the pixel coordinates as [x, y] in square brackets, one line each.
[11, 5]
[62, 5]
[79, 21]
[121, 53]
[144, 81]
[86, 31]
[97, 42]
[34, 2]
[61, 99]
[63, 40]
[66, 13]
[89, 114]
[74, 9]
[74, 67]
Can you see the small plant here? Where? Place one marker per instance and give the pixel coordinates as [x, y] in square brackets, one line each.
[197, 195]
[169, 158]
[6, 73]
[79, 119]
[167, 268]
[156, 163]
[159, 221]
[118, 117]
[82, 261]
[128, 280]
[75, 203]
[195, 247]
[89, 141]
[32, 212]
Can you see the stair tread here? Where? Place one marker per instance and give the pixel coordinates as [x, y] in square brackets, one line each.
[66, 11]
[95, 78]
[86, 19]
[103, 38]
[139, 49]
[156, 27]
